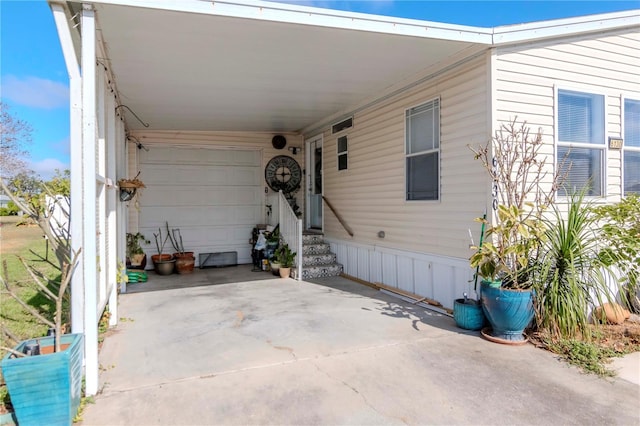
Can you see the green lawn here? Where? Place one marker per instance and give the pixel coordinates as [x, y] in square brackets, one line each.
[27, 242]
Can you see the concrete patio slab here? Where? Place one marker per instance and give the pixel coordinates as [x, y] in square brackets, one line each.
[278, 351]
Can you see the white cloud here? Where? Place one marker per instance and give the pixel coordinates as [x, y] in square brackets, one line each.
[35, 92]
[47, 168]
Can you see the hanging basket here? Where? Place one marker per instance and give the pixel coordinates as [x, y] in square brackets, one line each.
[131, 183]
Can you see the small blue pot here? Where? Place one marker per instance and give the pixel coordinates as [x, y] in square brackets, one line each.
[468, 314]
[46, 389]
[509, 311]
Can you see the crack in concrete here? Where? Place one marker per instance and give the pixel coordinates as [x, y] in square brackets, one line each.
[357, 392]
[294, 359]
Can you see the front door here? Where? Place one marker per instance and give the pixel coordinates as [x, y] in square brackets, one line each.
[314, 182]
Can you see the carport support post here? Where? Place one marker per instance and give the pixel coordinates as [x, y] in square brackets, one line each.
[89, 258]
[62, 20]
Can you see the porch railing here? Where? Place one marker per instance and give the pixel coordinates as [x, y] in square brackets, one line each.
[290, 230]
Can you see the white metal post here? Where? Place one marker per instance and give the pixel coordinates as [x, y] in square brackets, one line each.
[112, 222]
[62, 21]
[89, 258]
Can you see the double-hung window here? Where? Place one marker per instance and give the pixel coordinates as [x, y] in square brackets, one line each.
[423, 151]
[581, 142]
[631, 151]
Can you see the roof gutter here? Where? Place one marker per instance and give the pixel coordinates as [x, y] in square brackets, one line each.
[562, 27]
[302, 15]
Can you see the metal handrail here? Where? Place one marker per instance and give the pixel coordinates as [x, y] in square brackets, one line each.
[290, 230]
[335, 212]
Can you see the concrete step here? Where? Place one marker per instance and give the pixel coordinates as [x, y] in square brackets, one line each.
[312, 239]
[318, 259]
[317, 271]
[316, 248]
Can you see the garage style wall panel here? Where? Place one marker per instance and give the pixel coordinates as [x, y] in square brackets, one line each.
[214, 196]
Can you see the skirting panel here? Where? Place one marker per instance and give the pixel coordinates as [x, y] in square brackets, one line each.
[437, 277]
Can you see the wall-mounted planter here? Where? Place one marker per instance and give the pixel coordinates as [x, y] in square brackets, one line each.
[46, 388]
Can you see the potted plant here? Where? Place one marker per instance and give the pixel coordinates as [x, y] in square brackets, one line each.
[286, 259]
[272, 250]
[163, 263]
[185, 260]
[44, 374]
[136, 257]
[509, 255]
[129, 188]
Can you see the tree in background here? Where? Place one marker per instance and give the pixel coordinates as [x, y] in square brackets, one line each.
[15, 137]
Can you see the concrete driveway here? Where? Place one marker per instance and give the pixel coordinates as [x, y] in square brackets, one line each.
[278, 351]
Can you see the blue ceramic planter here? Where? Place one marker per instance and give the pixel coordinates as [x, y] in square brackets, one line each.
[468, 314]
[46, 389]
[509, 311]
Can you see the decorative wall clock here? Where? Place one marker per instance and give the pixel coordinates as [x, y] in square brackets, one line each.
[283, 173]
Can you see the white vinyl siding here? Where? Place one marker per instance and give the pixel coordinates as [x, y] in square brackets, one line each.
[581, 144]
[343, 152]
[371, 197]
[422, 133]
[202, 141]
[526, 76]
[631, 120]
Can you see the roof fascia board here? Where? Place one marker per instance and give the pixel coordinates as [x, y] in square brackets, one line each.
[565, 27]
[282, 12]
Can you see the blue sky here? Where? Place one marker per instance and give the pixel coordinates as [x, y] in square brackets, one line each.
[34, 81]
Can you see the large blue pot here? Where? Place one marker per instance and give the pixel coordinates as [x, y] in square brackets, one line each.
[46, 389]
[509, 311]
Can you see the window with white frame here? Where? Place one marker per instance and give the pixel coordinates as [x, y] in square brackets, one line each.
[423, 151]
[581, 142]
[342, 152]
[631, 151]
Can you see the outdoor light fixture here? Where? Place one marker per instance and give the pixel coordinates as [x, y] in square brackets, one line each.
[294, 149]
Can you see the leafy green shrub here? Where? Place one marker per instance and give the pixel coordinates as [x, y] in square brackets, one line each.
[620, 231]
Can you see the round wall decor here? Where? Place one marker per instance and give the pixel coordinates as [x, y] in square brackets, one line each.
[283, 173]
[278, 141]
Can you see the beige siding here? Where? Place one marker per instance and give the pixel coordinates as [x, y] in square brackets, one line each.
[231, 140]
[370, 195]
[526, 76]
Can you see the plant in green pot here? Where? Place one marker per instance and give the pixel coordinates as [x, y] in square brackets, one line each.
[286, 258]
[509, 256]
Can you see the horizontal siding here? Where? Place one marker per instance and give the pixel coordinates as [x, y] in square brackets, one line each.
[232, 140]
[606, 64]
[370, 195]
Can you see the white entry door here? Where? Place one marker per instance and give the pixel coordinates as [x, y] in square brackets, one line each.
[214, 196]
[314, 182]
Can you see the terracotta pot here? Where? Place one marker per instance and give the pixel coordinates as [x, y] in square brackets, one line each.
[160, 257]
[285, 272]
[187, 254]
[185, 265]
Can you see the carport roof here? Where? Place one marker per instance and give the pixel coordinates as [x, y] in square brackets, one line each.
[262, 66]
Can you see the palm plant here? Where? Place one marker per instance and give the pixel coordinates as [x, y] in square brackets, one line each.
[571, 276]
